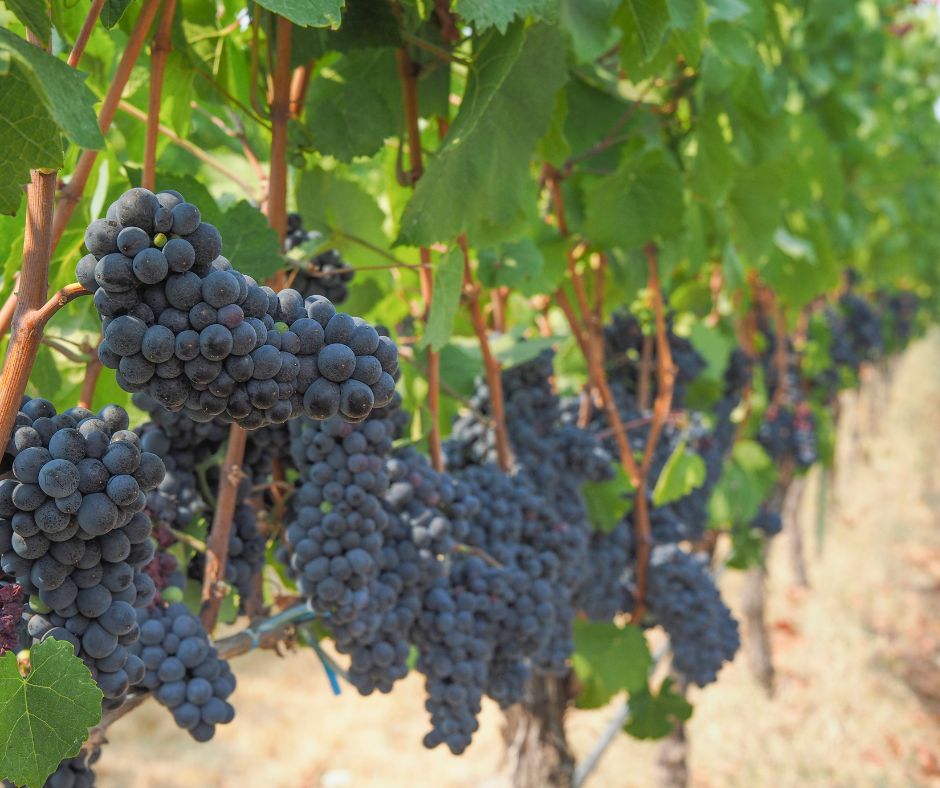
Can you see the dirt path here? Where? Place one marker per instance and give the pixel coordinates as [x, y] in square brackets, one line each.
[858, 659]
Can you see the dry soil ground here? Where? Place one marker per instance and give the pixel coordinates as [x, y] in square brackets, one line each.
[857, 654]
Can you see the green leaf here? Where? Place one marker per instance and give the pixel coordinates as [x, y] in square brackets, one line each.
[683, 472]
[511, 350]
[641, 200]
[655, 716]
[354, 104]
[609, 659]
[46, 716]
[500, 13]
[335, 205]
[448, 279]
[307, 13]
[507, 107]
[112, 12]
[587, 23]
[715, 165]
[29, 137]
[608, 502]
[44, 378]
[688, 28]
[60, 88]
[554, 146]
[249, 242]
[33, 15]
[755, 200]
[644, 24]
[366, 24]
[713, 345]
[516, 264]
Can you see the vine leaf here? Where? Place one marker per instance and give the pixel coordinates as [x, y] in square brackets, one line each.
[249, 242]
[19, 151]
[112, 12]
[32, 13]
[608, 501]
[61, 89]
[333, 204]
[354, 104]
[448, 278]
[307, 13]
[515, 264]
[609, 659]
[45, 717]
[587, 22]
[683, 472]
[644, 24]
[642, 199]
[479, 182]
[654, 716]
[501, 13]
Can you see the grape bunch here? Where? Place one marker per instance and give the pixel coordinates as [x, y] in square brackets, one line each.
[337, 519]
[767, 521]
[181, 324]
[684, 600]
[73, 532]
[326, 273]
[183, 669]
[790, 432]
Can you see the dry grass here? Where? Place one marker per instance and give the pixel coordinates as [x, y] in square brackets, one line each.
[858, 660]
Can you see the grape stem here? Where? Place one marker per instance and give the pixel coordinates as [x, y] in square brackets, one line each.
[237, 133]
[665, 381]
[78, 49]
[90, 381]
[159, 52]
[408, 75]
[71, 355]
[214, 588]
[494, 380]
[597, 373]
[71, 193]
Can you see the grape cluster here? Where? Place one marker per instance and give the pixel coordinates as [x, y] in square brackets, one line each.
[12, 604]
[767, 521]
[198, 336]
[326, 273]
[684, 600]
[337, 519]
[790, 432]
[73, 532]
[71, 773]
[183, 669]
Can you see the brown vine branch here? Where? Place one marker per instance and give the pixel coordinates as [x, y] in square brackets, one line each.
[494, 380]
[644, 379]
[665, 379]
[213, 586]
[158, 55]
[28, 322]
[192, 149]
[408, 75]
[90, 381]
[300, 81]
[280, 116]
[71, 193]
[78, 49]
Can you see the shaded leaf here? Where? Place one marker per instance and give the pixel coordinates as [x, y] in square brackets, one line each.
[448, 280]
[587, 23]
[609, 501]
[501, 13]
[112, 11]
[641, 200]
[644, 24]
[515, 264]
[249, 242]
[29, 137]
[609, 659]
[354, 104]
[507, 107]
[307, 13]
[33, 15]
[60, 88]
